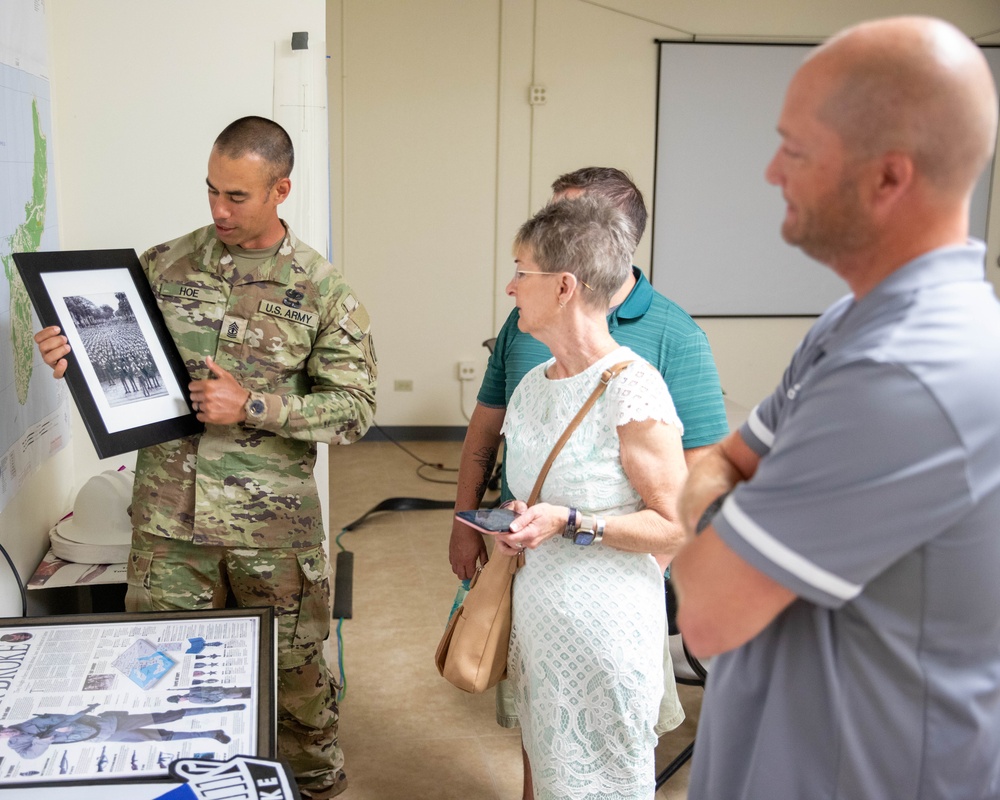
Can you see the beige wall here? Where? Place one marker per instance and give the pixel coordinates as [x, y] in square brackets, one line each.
[138, 99]
[138, 96]
[25, 523]
[439, 157]
[436, 156]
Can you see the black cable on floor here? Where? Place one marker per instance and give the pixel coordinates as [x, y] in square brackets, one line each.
[401, 504]
[20, 583]
[439, 469]
[415, 457]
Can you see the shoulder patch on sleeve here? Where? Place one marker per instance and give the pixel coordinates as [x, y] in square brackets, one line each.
[356, 321]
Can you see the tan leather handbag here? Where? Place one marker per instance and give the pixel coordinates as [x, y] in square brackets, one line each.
[472, 654]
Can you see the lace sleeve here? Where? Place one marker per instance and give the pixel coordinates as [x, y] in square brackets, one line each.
[639, 393]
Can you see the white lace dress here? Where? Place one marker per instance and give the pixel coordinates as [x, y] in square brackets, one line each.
[586, 650]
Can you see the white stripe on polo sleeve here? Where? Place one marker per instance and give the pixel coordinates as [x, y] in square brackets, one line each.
[760, 430]
[785, 558]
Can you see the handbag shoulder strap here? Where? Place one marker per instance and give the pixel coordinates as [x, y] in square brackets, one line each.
[606, 377]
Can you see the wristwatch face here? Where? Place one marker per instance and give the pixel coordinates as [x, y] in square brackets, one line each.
[584, 538]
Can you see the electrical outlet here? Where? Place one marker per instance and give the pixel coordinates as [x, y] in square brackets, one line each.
[403, 385]
[467, 371]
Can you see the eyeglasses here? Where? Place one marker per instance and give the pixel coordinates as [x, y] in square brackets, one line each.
[519, 273]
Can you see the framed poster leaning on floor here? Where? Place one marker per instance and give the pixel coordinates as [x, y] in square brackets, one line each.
[107, 698]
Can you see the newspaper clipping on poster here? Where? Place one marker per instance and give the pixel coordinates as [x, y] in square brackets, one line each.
[125, 699]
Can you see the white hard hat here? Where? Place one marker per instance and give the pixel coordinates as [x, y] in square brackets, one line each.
[99, 530]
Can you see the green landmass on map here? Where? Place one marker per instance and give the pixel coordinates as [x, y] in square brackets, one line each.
[26, 239]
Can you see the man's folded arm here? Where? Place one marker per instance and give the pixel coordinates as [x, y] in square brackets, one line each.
[722, 601]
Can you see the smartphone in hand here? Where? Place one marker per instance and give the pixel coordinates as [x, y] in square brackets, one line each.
[488, 520]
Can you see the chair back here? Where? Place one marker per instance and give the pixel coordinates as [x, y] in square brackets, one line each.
[687, 669]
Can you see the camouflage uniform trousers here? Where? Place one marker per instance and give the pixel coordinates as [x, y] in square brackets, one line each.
[171, 574]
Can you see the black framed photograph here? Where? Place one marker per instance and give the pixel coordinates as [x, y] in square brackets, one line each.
[126, 376]
[118, 698]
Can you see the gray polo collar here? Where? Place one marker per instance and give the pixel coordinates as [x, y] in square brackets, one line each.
[955, 263]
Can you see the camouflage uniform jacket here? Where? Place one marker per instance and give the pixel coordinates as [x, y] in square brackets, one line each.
[291, 332]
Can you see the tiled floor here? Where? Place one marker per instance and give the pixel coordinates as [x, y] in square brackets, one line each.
[406, 733]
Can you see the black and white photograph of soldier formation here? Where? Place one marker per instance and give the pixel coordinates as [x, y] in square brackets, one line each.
[117, 350]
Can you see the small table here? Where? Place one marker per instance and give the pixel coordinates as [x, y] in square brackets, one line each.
[105, 582]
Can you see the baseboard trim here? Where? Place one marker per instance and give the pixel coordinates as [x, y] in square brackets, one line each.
[416, 433]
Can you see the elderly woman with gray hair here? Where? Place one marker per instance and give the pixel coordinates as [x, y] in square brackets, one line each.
[586, 651]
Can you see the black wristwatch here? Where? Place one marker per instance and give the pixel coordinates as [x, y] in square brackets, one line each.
[255, 407]
[709, 513]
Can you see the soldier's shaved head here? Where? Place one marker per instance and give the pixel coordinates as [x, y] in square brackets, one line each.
[260, 137]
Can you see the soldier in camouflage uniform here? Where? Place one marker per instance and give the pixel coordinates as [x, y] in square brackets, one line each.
[280, 353]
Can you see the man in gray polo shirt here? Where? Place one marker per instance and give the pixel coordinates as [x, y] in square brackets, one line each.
[851, 579]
